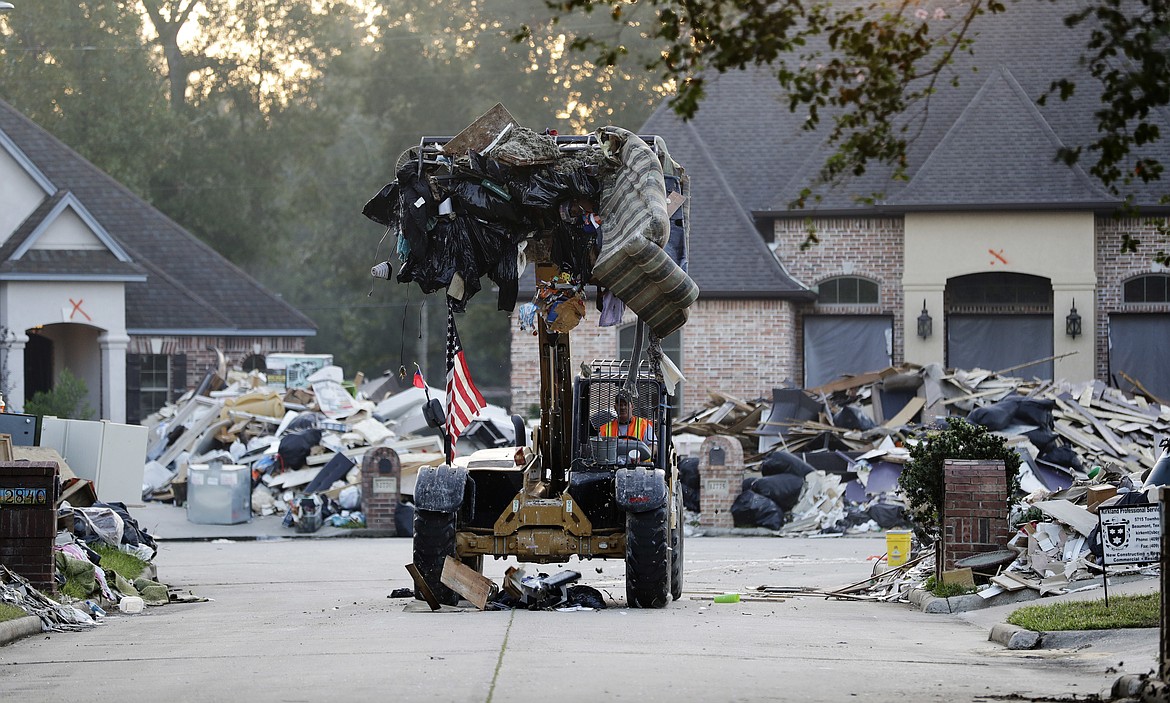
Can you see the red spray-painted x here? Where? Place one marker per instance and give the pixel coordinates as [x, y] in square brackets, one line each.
[77, 309]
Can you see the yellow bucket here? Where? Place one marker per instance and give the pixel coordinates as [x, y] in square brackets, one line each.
[897, 547]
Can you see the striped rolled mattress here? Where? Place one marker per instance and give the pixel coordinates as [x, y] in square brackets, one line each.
[635, 227]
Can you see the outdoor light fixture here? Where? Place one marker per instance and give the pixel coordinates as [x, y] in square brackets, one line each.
[1072, 323]
[925, 324]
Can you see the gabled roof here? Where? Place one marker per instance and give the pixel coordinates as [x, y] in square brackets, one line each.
[188, 288]
[984, 144]
[999, 152]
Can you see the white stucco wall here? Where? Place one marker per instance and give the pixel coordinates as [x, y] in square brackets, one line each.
[86, 322]
[1058, 246]
[19, 194]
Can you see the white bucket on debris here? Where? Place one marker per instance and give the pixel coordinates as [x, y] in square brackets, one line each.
[131, 605]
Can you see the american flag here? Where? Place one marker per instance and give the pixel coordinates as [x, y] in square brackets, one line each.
[463, 399]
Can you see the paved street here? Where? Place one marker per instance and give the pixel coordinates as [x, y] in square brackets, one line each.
[310, 619]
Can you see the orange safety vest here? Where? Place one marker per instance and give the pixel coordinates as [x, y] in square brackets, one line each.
[636, 428]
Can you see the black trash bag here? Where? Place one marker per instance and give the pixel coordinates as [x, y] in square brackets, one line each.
[996, 416]
[417, 206]
[584, 596]
[751, 509]
[383, 208]
[783, 489]
[486, 167]
[1094, 539]
[451, 251]
[1035, 411]
[688, 476]
[545, 189]
[888, 515]
[295, 448]
[488, 201]
[782, 462]
[133, 534]
[573, 250]
[582, 184]
[1041, 437]
[334, 471]
[404, 520]
[1061, 455]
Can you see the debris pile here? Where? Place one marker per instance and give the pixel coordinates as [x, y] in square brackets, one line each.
[294, 451]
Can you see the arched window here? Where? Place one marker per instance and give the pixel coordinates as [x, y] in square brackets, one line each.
[847, 290]
[1154, 288]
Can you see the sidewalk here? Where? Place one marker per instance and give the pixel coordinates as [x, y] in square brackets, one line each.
[166, 523]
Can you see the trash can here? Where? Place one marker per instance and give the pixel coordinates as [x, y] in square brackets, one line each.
[219, 494]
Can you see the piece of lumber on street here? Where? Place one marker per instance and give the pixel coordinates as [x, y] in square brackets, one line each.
[467, 582]
[424, 590]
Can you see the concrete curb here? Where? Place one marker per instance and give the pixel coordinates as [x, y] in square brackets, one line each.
[1014, 636]
[928, 603]
[12, 630]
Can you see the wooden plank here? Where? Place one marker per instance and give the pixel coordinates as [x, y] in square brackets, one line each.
[467, 582]
[5, 447]
[1102, 430]
[1008, 584]
[423, 589]
[844, 384]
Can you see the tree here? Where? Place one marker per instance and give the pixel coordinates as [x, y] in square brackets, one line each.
[66, 400]
[922, 479]
[870, 68]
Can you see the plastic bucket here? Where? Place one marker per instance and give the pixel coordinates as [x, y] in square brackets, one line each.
[604, 449]
[897, 547]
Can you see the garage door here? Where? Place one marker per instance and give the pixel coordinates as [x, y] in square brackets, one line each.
[998, 342]
[1139, 345]
[845, 344]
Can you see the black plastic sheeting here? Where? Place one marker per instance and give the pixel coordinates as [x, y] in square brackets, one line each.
[751, 509]
[493, 208]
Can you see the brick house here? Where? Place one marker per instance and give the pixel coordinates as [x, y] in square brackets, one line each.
[992, 254]
[95, 280]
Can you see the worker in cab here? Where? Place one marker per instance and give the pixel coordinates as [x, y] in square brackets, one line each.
[626, 426]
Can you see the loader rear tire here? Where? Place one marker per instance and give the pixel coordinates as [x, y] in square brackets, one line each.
[676, 550]
[434, 541]
[648, 559]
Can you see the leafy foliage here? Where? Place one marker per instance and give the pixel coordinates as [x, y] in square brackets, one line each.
[66, 399]
[922, 480]
[262, 127]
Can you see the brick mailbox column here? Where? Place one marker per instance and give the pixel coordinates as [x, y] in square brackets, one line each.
[721, 477]
[381, 487]
[28, 519]
[975, 510]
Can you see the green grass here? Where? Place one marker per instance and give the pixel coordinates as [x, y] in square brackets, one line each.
[946, 590]
[10, 612]
[1123, 611]
[128, 565]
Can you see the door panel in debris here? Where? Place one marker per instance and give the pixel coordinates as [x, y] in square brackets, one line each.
[998, 342]
[1137, 346]
[845, 344]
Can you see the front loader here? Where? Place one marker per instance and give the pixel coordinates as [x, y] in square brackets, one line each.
[603, 210]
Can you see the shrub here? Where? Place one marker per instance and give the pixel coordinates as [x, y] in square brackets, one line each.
[66, 399]
[922, 479]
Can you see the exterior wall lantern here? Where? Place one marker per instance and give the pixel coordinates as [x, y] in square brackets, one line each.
[1072, 323]
[925, 323]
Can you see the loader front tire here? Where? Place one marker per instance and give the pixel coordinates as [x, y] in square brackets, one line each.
[648, 559]
[434, 541]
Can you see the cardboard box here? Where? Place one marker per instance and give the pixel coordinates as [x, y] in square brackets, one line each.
[1099, 494]
[291, 371]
